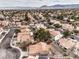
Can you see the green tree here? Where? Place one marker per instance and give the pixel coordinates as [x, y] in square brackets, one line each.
[42, 35]
[26, 18]
[66, 33]
[17, 31]
[46, 15]
[57, 25]
[60, 17]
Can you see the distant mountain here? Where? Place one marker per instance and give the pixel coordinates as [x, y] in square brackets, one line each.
[44, 6]
[58, 6]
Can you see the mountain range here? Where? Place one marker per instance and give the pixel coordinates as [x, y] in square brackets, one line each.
[59, 6]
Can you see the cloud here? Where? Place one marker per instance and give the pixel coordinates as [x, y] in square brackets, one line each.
[34, 3]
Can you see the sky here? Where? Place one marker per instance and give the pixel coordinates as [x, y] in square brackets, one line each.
[34, 3]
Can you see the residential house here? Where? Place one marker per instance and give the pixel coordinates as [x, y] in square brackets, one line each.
[38, 48]
[23, 37]
[77, 28]
[30, 16]
[1, 16]
[41, 16]
[19, 16]
[56, 35]
[39, 51]
[38, 26]
[68, 27]
[76, 49]
[25, 29]
[4, 23]
[25, 34]
[66, 43]
[55, 21]
[17, 23]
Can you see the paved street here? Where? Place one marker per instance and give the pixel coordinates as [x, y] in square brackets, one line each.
[62, 52]
[6, 51]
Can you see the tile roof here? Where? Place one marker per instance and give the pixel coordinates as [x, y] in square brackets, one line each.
[38, 48]
[67, 43]
[54, 32]
[24, 37]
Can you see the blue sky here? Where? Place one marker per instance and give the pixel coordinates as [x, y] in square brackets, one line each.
[34, 3]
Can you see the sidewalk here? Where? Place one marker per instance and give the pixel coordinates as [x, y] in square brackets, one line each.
[4, 35]
[16, 48]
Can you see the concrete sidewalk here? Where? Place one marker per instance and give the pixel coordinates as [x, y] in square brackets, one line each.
[4, 35]
[16, 48]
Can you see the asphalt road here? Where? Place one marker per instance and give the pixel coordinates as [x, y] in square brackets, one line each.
[62, 52]
[7, 51]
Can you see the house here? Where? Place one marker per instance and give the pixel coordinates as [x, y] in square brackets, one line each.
[17, 23]
[56, 35]
[55, 21]
[66, 43]
[1, 16]
[65, 18]
[76, 49]
[41, 16]
[24, 28]
[19, 16]
[68, 27]
[25, 34]
[24, 37]
[30, 16]
[4, 23]
[77, 28]
[38, 26]
[38, 48]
